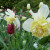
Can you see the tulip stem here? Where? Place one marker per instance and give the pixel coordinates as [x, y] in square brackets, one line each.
[10, 39]
[15, 38]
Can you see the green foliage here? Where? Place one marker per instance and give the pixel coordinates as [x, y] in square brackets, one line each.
[48, 48]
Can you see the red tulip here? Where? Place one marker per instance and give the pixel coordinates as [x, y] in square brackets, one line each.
[10, 29]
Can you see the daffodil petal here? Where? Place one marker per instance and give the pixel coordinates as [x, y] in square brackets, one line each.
[43, 11]
[1, 18]
[34, 15]
[11, 12]
[7, 13]
[41, 3]
[48, 19]
[27, 24]
[5, 17]
[49, 31]
[31, 12]
[16, 22]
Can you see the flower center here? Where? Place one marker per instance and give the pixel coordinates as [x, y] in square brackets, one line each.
[10, 19]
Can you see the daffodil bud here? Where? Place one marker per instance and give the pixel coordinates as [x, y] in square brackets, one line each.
[28, 6]
[0, 9]
[41, 3]
[23, 18]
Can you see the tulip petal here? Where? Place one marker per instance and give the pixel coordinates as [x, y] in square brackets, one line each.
[27, 24]
[43, 11]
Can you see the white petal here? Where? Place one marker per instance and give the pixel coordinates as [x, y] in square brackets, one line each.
[5, 16]
[43, 11]
[34, 30]
[44, 24]
[11, 12]
[7, 13]
[1, 14]
[41, 3]
[0, 18]
[48, 19]
[34, 15]
[31, 12]
[49, 31]
[26, 25]
[16, 22]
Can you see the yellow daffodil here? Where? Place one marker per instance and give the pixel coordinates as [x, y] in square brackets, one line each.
[40, 24]
[10, 16]
[9, 19]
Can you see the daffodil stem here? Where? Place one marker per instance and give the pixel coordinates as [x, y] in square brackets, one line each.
[20, 25]
[37, 40]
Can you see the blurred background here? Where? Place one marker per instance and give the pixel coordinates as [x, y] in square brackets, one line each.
[21, 4]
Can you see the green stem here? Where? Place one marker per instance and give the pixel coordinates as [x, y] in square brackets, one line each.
[20, 26]
[11, 39]
[15, 38]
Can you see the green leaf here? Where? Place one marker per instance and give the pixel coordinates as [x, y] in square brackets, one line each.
[48, 48]
[1, 40]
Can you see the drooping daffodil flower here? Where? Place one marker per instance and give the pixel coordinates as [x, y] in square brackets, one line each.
[39, 25]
